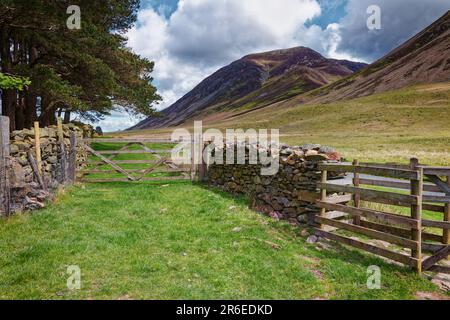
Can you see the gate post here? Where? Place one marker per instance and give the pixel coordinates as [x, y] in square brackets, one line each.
[356, 196]
[5, 195]
[446, 237]
[416, 213]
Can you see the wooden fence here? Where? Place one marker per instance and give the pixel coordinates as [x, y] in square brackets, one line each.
[415, 187]
[160, 162]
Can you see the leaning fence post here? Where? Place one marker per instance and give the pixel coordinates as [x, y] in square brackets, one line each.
[416, 212]
[62, 152]
[37, 145]
[5, 196]
[72, 167]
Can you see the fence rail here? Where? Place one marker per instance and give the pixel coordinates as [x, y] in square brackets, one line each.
[421, 236]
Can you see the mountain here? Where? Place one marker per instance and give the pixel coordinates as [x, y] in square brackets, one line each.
[255, 80]
[423, 59]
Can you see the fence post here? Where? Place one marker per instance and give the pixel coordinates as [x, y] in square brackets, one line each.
[37, 144]
[72, 167]
[416, 213]
[5, 196]
[202, 166]
[62, 152]
[446, 237]
[323, 195]
[193, 166]
[356, 196]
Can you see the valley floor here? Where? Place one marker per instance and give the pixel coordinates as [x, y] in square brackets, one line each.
[388, 127]
[179, 241]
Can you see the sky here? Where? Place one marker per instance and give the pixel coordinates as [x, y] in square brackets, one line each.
[190, 39]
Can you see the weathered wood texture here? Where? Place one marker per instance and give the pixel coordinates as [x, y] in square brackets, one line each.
[37, 145]
[62, 153]
[416, 212]
[5, 196]
[36, 171]
[72, 165]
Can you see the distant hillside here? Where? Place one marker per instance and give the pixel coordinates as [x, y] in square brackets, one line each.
[425, 58]
[257, 79]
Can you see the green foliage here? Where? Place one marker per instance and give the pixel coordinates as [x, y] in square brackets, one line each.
[11, 82]
[88, 71]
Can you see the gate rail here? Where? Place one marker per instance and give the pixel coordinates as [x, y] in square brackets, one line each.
[161, 163]
[427, 240]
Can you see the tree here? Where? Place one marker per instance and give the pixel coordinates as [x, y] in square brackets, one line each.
[89, 71]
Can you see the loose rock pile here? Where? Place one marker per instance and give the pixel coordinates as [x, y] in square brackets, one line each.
[26, 192]
[291, 193]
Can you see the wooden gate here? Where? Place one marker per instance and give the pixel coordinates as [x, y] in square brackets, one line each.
[131, 160]
[398, 204]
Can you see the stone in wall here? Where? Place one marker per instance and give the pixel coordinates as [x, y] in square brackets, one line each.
[288, 195]
[26, 192]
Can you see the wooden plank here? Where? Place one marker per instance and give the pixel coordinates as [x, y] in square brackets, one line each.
[339, 199]
[123, 162]
[36, 172]
[439, 269]
[107, 161]
[406, 243]
[386, 165]
[436, 199]
[5, 191]
[72, 165]
[157, 170]
[116, 152]
[440, 255]
[335, 214]
[126, 140]
[376, 171]
[432, 207]
[437, 171]
[385, 217]
[445, 225]
[369, 248]
[143, 179]
[150, 169]
[397, 184]
[442, 185]
[416, 212]
[431, 247]
[399, 231]
[37, 145]
[373, 195]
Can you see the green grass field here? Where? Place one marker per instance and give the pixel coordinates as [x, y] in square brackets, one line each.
[178, 241]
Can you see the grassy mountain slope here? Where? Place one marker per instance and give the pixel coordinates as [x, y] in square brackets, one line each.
[425, 58]
[390, 126]
[255, 80]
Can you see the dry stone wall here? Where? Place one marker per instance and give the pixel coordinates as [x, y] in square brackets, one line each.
[26, 191]
[288, 195]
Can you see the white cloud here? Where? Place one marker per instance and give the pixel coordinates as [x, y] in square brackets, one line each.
[204, 35]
